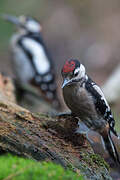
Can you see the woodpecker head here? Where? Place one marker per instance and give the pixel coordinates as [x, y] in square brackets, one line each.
[25, 23]
[72, 72]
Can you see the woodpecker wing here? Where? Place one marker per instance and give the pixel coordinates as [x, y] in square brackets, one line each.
[101, 104]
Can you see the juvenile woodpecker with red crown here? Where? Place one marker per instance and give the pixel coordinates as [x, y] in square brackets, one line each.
[87, 102]
[31, 61]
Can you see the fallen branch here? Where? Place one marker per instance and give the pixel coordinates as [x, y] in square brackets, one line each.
[41, 137]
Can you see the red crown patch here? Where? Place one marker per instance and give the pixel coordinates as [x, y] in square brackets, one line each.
[69, 66]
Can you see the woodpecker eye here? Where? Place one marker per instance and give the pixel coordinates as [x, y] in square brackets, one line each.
[75, 74]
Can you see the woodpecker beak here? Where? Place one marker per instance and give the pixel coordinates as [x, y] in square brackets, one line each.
[66, 82]
[12, 19]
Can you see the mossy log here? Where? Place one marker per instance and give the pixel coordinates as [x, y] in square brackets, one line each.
[41, 137]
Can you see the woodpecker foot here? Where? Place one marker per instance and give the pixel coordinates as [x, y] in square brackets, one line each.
[82, 128]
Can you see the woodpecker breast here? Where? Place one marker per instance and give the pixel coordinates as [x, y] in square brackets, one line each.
[79, 101]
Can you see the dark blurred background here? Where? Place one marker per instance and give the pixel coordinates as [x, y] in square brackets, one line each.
[85, 29]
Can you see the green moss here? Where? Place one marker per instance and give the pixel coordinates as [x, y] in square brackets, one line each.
[24, 169]
[96, 159]
[42, 116]
[71, 167]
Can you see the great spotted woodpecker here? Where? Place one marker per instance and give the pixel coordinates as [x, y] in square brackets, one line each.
[86, 101]
[31, 61]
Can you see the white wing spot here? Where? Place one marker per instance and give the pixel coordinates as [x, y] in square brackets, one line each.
[40, 59]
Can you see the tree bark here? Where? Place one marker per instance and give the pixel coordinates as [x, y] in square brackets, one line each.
[41, 137]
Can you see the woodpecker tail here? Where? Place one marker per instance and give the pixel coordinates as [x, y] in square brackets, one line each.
[110, 146]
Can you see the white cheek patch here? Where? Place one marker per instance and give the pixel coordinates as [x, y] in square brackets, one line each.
[40, 59]
[33, 26]
[82, 71]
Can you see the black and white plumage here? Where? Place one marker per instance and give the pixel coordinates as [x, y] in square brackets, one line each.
[86, 101]
[101, 105]
[31, 61]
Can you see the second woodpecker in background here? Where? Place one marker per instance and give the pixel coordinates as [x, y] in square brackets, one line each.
[31, 61]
